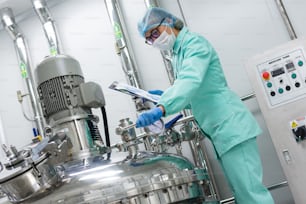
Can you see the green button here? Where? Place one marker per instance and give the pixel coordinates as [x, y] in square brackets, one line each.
[280, 90]
[269, 84]
[293, 75]
[300, 63]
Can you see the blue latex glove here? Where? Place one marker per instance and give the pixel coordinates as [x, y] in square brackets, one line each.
[156, 92]
[149, 117]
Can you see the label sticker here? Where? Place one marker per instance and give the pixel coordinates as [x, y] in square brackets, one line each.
[23, 69]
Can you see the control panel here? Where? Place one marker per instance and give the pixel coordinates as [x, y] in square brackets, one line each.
[278, 77]
[284, 78]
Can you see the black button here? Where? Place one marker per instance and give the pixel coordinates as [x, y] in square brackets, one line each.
[272, 93]
[297, 84]
[288, 88]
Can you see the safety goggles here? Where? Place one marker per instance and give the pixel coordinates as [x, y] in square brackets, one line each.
[154, 34]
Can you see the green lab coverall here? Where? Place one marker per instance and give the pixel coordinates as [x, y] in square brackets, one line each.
[201, 85]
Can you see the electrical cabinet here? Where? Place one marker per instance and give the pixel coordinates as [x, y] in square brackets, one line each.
[278, 77]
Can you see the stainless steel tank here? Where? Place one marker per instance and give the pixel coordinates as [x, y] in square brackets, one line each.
[25, 177]
[151, 179]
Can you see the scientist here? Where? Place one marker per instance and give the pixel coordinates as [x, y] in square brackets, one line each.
[200, 84]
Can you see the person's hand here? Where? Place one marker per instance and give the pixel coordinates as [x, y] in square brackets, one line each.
[149, 117]
[156, 92]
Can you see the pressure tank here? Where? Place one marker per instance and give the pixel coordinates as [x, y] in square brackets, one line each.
[152, 178]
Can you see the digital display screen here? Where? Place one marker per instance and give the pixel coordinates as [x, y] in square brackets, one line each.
[277, 72]
[290, 66]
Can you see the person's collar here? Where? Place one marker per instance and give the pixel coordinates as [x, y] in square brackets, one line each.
[179, 39]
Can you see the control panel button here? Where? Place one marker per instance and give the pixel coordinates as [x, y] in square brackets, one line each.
[272, 93]
[300, 63]
[269, 84]
[293, 75]
[288, 88]
[297, 84]
[266, 75]
[280, 90]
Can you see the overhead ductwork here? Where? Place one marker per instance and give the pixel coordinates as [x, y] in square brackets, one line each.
[122, 44]
[286, 19]
[48, 23]
[8, 21]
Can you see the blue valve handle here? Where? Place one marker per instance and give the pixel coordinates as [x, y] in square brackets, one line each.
[172, 121]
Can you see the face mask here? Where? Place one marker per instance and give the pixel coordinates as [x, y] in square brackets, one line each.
[165, 41]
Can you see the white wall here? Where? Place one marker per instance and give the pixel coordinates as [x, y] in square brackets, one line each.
[238, 29]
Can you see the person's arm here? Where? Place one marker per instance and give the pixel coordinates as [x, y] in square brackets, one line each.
[197, 57]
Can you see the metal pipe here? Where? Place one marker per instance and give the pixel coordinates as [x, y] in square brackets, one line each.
[122, 43]
[247, 97]
[8, 21]
[278, 185]
[286, 19]
[212, 185]
[81, 140]
[228, 201]
[165, 54]
[182, 13]
[42, 11]
[151, 3]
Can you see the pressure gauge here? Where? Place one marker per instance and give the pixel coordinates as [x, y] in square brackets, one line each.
[157, 127]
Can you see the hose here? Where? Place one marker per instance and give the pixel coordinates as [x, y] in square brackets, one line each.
[106, 130]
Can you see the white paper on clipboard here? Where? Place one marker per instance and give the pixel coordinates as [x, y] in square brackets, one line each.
[131, 90]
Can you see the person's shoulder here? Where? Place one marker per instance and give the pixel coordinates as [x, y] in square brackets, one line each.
[196, 39]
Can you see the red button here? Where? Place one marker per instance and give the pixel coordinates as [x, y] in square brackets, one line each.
[266, 75]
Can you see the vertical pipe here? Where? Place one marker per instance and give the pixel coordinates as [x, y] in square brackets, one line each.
[3, 141]
[181, 10]
[48, 23]
[123, 46]
[8, 21]
[151, 3]
[286, 19]
[165, 54]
